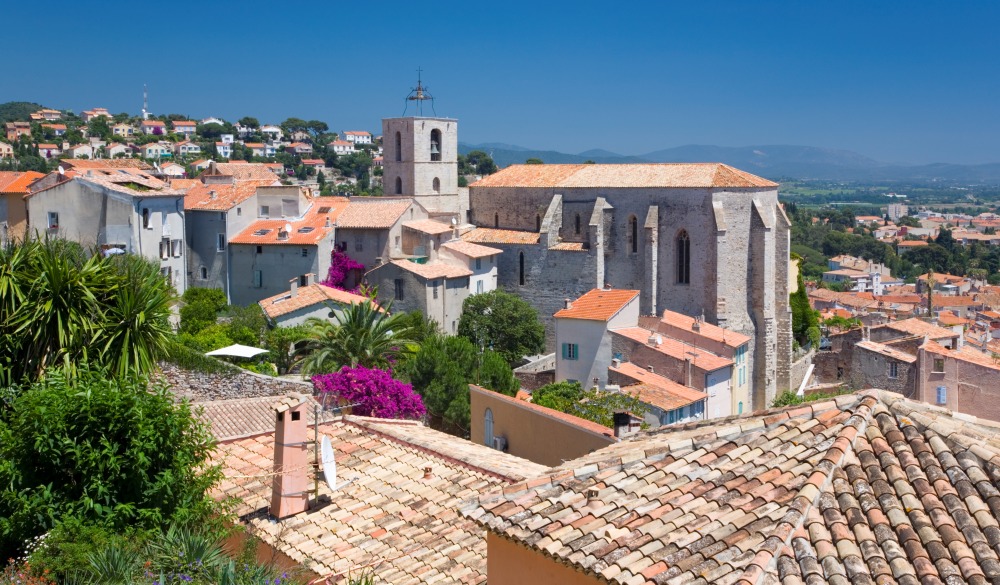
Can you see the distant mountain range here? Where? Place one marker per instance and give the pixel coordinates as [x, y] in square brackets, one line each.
[770, 161]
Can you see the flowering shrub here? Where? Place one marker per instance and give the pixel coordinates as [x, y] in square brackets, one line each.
[340, 266]
[374, 392]
[22, 574]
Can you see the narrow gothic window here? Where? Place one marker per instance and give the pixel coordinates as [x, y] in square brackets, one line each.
[437, 185]
[633, 234]
[496, 220]
[538, 223]
[399, 185]
[399, 147]
[683, 258]
[521, 261]
[578, 224]
[435, 145]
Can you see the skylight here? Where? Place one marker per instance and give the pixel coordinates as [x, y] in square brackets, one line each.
[305, 230]
[261, 232]
[324, 209]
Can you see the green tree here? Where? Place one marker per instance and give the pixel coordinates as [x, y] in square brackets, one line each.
[593, 405]
[439, 372]
[804, 317]
[360, 334]
[249, 121]
[104, 450]
[559, 396]
[294, 125]
[99, 127]
[504, 323]
[201, 308]
[281, 342]
[480, 163]
[317, 127]
[495, 373]
[534, 161]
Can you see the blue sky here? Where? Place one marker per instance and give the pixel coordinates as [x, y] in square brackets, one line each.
[897, 81]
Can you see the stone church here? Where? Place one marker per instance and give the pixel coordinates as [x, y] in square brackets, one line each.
[704, 239]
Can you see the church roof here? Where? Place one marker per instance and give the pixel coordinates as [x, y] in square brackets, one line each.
[649, 175]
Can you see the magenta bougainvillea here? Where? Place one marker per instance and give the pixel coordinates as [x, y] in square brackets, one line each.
[374, 392]
[340, 266]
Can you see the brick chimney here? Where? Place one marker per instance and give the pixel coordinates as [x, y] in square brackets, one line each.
[290, 489]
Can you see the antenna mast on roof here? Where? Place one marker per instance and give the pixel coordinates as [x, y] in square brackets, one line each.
[145, 103]
[419, 94]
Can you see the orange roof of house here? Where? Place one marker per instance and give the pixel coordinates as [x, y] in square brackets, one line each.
[17, 182]
[305, 232]
[580, 423]
[342, 143]
[243, 171]
[432, 270]
[55, 126]
[358, 133]
[643, 175]
[313, 161]
[887, 351]
[964, 353]
[700, 358]
[950, 319]
[106, 163]
[598, 304]
[656, 390]
[427, 226]
[707, 330]
[372, 212]
[152, 123]
[219, 197]
[49, 146]
[471, 250]
[953, 301]
[916, 326]
[499, 236]
[253, 144]
[569, 247]
[307, 296]
[185, 123]
[184, 184]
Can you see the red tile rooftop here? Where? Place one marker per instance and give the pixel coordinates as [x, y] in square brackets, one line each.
[499, 236]
[598, 305]
[656, 390]
[307, 296]
[665, 175]
[700, 358]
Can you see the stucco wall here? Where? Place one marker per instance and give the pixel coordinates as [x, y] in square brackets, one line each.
[971, 388]
[530, 434]
[278, 265]
[509, 563]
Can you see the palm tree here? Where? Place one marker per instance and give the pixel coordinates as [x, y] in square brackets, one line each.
[361, 334]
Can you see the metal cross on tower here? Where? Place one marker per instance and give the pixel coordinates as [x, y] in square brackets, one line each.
[419, 94]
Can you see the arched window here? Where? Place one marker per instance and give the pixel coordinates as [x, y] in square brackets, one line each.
[578, 224]
[520, 259]
[399, 147]
[633, 234]
[488, 428]
[204, 273]
[538, 223]
[399, 185]
[683, 258]
[496, 220]
[436, 185]
[435, 145]
[145, 218]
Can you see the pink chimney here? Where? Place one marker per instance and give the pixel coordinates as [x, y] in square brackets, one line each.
[290, 489]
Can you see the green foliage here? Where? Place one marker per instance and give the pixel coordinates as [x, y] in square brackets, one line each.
[593, 405]
[790, 398]
[280, 342]
[17, 111]
[504, 323]
[360, 334]
[191, 359]
[534, 161]
[477, 162]
[420, 327]
[60, 307]
[201, 308]
[106, 451]
[439, 372]
[212, 337]
[804, 318]
[495, 373]
[67, 548]
[839, 322]
[246, 325]
[249, 121]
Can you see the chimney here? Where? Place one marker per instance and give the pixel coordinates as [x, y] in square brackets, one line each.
[689, 368]
[615, 362]
[427, 472]
[290, 488]
[328, 224]
[621, 422]
[310, 279]
[211, 194]
[607, 286]
[293, 286]
[650, 368]
[567, 304]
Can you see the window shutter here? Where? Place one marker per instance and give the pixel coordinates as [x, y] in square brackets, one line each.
[942, 394]
[257, 277]
[565, 350]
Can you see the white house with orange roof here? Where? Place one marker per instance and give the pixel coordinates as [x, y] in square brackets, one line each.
[299, 148]
[583, 334]
[307, 299]
[185, 128]
[225, 149]
[154, 127]
[89, 115]
[294, 235]
[358, 136]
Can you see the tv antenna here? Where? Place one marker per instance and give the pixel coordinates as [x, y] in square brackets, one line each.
[420, 95]
[145, 102]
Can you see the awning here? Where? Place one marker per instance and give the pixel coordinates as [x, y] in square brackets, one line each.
[238, 350]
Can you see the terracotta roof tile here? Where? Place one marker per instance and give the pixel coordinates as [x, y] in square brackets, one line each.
[868, 488]
[307, 296]
[919, 327]
[390, 517]
[965, 354]
[432, 270]
[428, 226]
[887, 351]
[471, 250]
[16, 181]
[656, 390]
[244, 171]
[242, 417]
[220, 197]
[569, 246]
[499, 236]
[665, 175]
[681, 322]
[307, 231]
[373, 213]
[701, 358]
[598, 304]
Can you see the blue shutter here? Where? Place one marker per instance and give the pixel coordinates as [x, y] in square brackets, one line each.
[942, 394]
[565, 349]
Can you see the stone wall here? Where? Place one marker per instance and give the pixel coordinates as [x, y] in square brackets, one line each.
[198, 386]
[871, 369]
[798, 370]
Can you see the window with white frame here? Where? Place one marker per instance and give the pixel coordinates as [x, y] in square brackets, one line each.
[53, 220]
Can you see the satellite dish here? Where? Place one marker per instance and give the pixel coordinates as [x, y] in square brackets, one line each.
[62, 171]
[288, 228]
[329, 463]
[454, 221]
